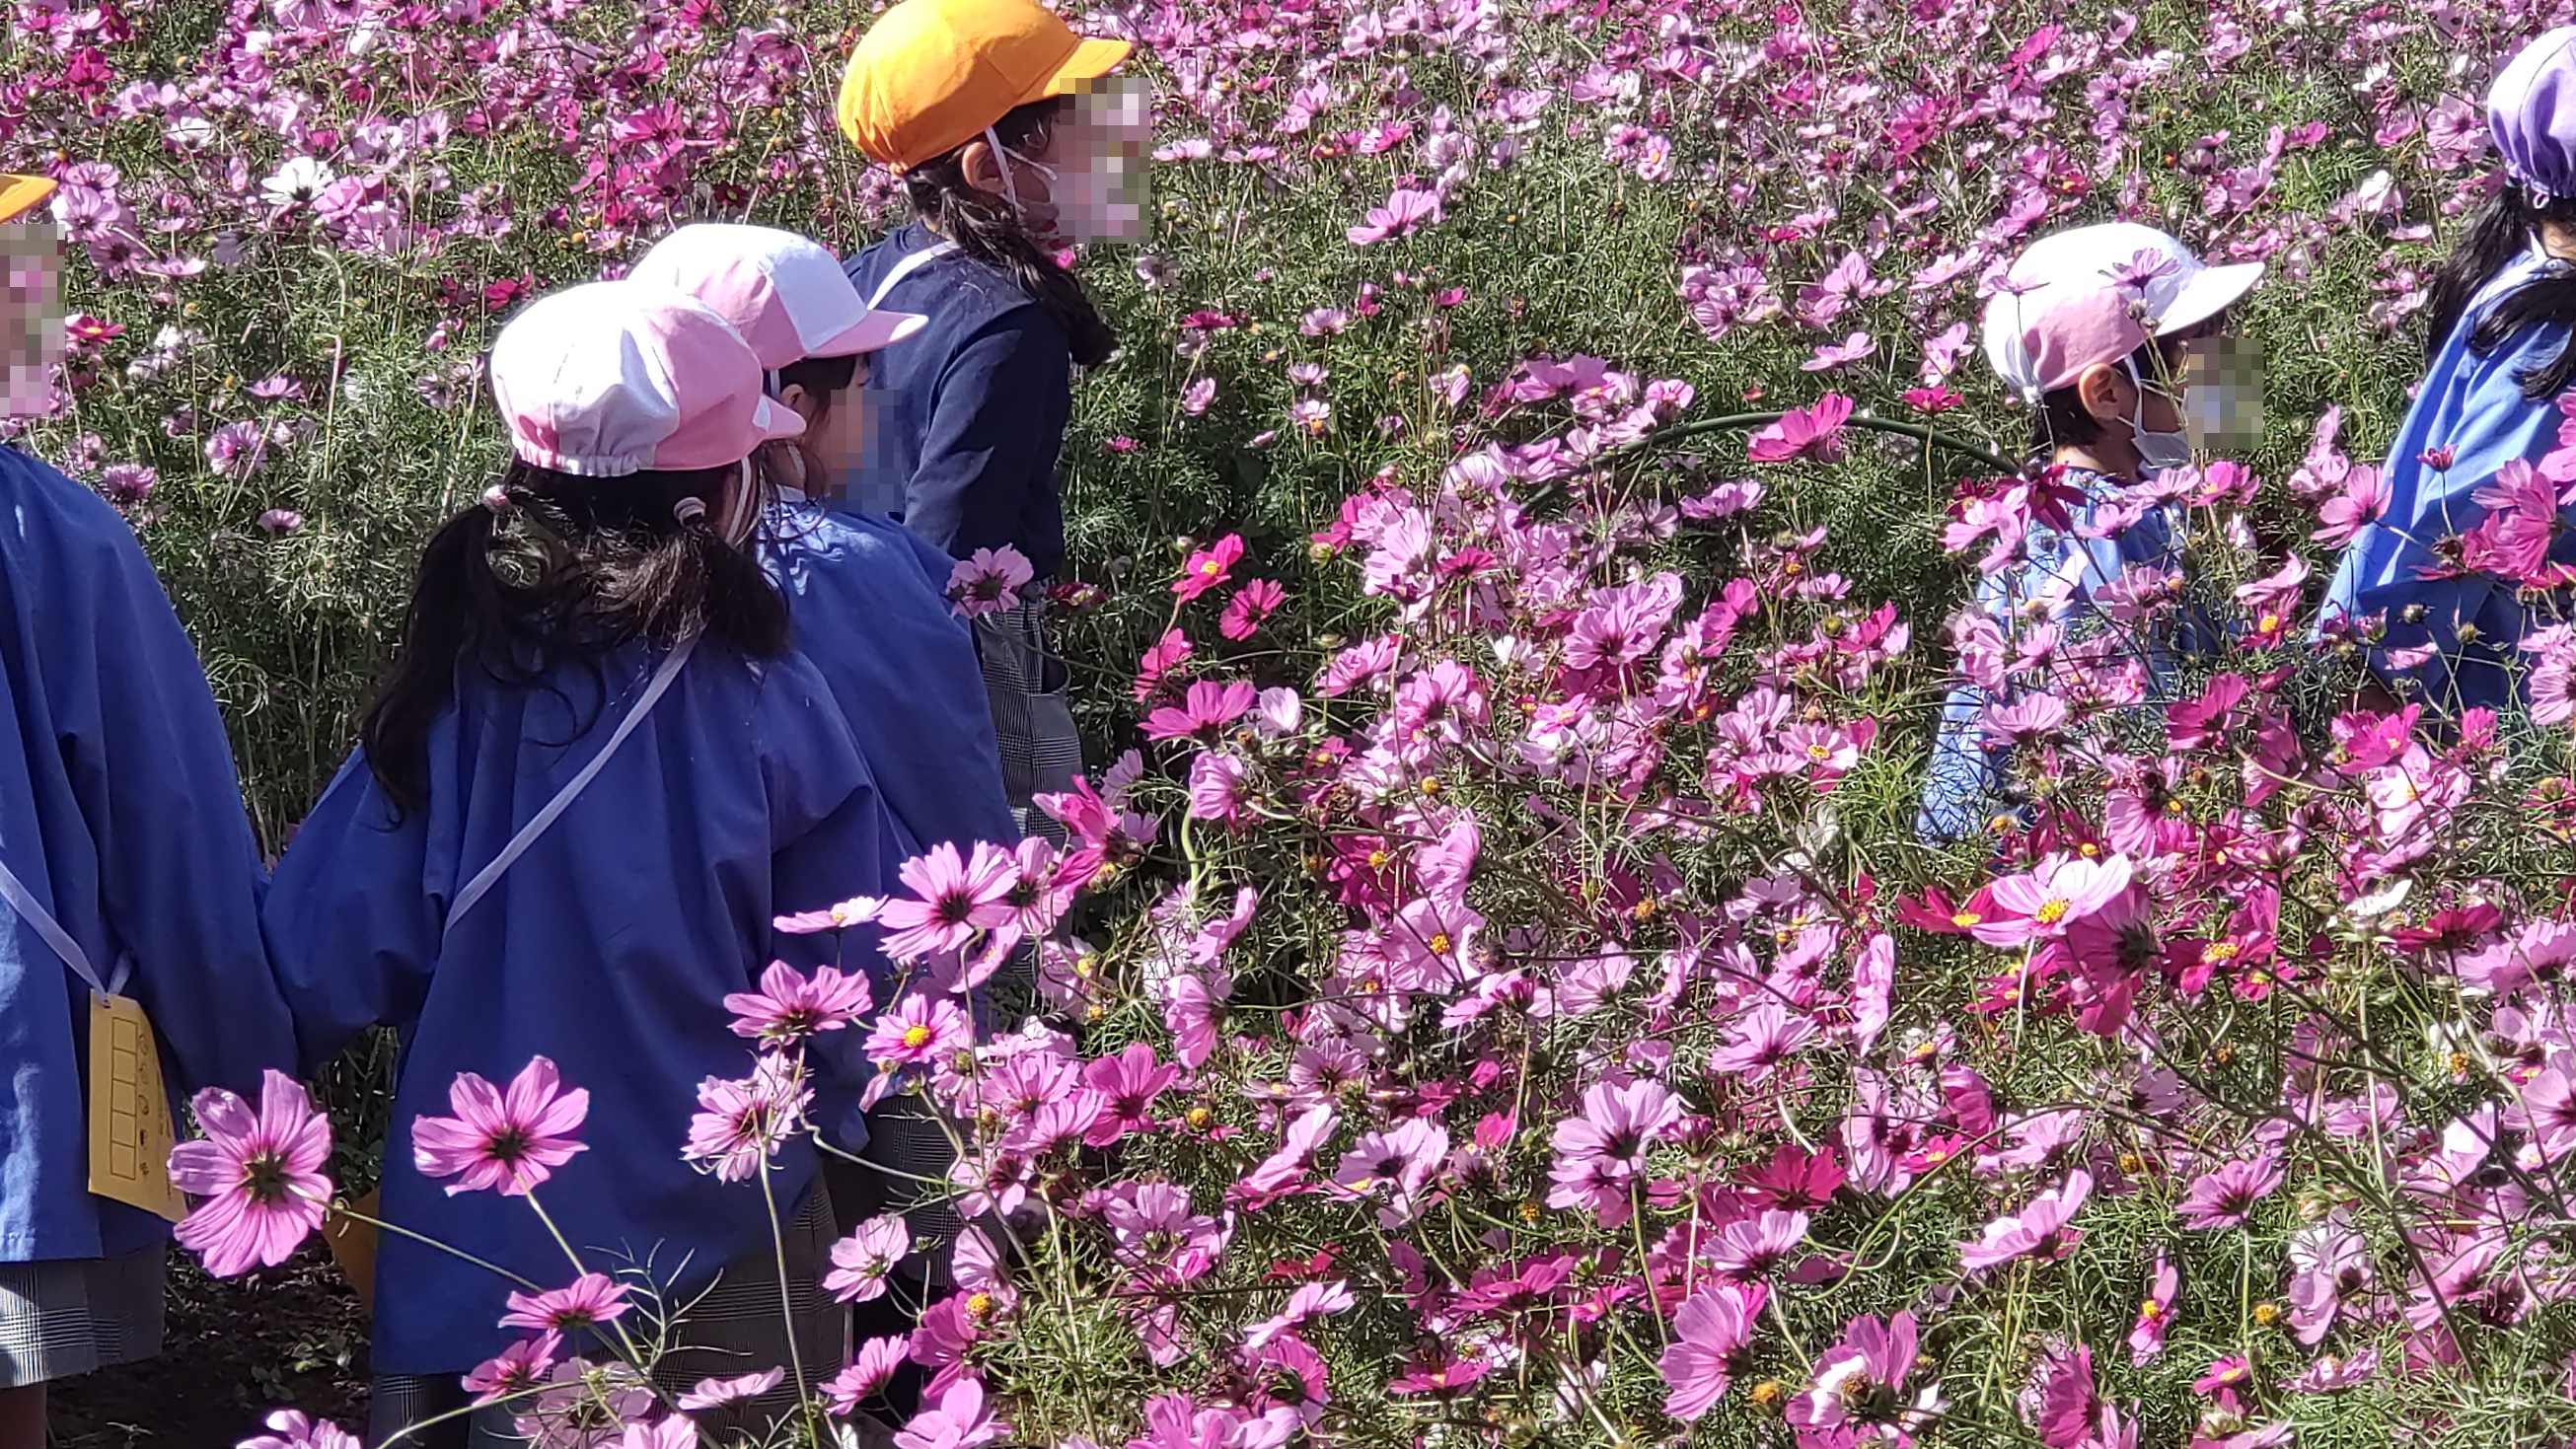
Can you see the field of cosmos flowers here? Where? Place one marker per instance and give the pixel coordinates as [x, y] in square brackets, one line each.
[1494, 994]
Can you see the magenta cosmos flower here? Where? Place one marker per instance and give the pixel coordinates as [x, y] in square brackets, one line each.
[869, 1370]
[740, 1124]
[511, 1141]
[791, 1006]
[2041, 904]
[1858, 1396]
[861, 1261]
[291, 1429]
[260, 1173]
[953, 897]
[990, 582]
[716, 1393]
[1601, 1153]
[962, 1420]
[2155, 1311]
[1209, 568]
[587, 1302]
[1710, 1336]
[2225, 1197]
[2037, 1231]
[521, 1368]
[1810, 432]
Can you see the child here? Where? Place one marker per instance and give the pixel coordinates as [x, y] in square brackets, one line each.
[997, 117]
[126, 865]
[2502, 351]
[873, 622]
[2089, 326]
[605, 762]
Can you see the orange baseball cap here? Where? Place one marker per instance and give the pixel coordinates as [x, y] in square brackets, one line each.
[22, 194]
[930, 74]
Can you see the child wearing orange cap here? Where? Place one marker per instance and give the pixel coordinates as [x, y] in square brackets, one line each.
[127, 875]
[1011, 140]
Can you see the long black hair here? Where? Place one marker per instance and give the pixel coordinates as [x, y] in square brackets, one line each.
[984, 227]
[553, 569]
[2503, 231]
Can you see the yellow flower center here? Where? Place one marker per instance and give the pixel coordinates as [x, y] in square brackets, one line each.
[2266, 1313]
[2088, 850]
[1819, 753]
[1440, 943]
[2150, 1310]
[1768, 1392]
[2220, 951]
[2052, 911]
[1964, 919]
[979, 1305]
[1378, 859]
[916, 1037]
[1211, 568]
[2267, 624]
[1200, 1117]
[1430, 784]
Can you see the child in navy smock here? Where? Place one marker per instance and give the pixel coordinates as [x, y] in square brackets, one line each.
[126, 865]
[614, 751]
[1010, 141]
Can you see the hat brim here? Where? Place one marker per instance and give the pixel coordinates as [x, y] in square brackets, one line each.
[2205, 296]
[22, 194]
[1092, 60]
[875, 330]
[775, 422]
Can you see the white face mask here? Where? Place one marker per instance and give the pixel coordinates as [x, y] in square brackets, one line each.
[1011, 192]
[743, 511]
[2156, 451]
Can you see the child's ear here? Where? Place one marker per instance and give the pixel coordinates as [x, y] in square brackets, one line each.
[805, 404]
[981, 168]
[2105, 393]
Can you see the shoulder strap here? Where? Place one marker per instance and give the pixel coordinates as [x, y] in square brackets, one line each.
[24, 902]
[912, 262]
[544, 819]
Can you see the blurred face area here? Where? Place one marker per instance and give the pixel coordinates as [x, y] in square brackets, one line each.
[1100, 153]
[2221, 384]
[31, 314]
[835, 438]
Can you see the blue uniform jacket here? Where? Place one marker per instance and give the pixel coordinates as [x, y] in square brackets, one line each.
[120, 812]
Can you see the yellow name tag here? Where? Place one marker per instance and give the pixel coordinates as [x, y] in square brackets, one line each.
[130, 1131]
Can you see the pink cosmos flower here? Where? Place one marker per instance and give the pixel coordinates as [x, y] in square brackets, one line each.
[291, 1429]
[740, 1124]
[1710, 1336]
[520, 1368]
[961, 1420]
[1166, 655]
[1760, 1041]
[861, 1261]
[791, 1006]
[1220, 787]
[952, 899]
[2042, 903]
[1209, 568]
[2155, 1311]
[2225, 1197]
[1814, 432]
[1310, 1301]
[261, 1176]
[1855, 348]
[2037, 1231]
[869, 1370]
[716, 1393]
[1399, 1163]
[2362, 501]
[989, 582]
[1754, 1247]
[918, 1029]
[1127, 1085]
[671, 1431]
[509, 1141]
[1858, 1394]
[587, 1302]
[1405, 212]
[1601, 1154]
[1203, 713]
[1283, 1171]
[857, 911]
[1251, 605]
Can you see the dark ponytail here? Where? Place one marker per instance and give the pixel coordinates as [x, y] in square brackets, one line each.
[2503, 231]
[555, 570]
[984, 227]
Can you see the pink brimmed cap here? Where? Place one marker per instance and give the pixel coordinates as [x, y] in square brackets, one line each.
[2095, 294]
[787, 296]
[612, 378]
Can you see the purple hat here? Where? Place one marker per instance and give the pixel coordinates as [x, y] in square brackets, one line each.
[2531, 110]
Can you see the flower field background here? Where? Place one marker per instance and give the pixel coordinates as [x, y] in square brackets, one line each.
[1504, 1001]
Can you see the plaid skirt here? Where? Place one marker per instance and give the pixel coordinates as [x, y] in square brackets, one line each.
[73, 1316]
[905, 1136]
[1032, 718]
[735, 1327]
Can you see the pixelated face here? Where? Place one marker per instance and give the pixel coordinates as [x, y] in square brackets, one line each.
[31, 314]
[1100, 153]
[2221, 385]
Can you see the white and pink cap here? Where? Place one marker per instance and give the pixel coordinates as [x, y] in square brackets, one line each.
[612, 378]
[787, 296]
[2095, 294]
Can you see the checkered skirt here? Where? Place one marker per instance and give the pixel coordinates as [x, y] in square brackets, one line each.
[734, 1328]
[74, 1316]
[1032, 719]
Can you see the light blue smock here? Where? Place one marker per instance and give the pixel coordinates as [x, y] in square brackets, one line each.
[2473, 405]
[1959, 788]
[753, 788]
[120, 812]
